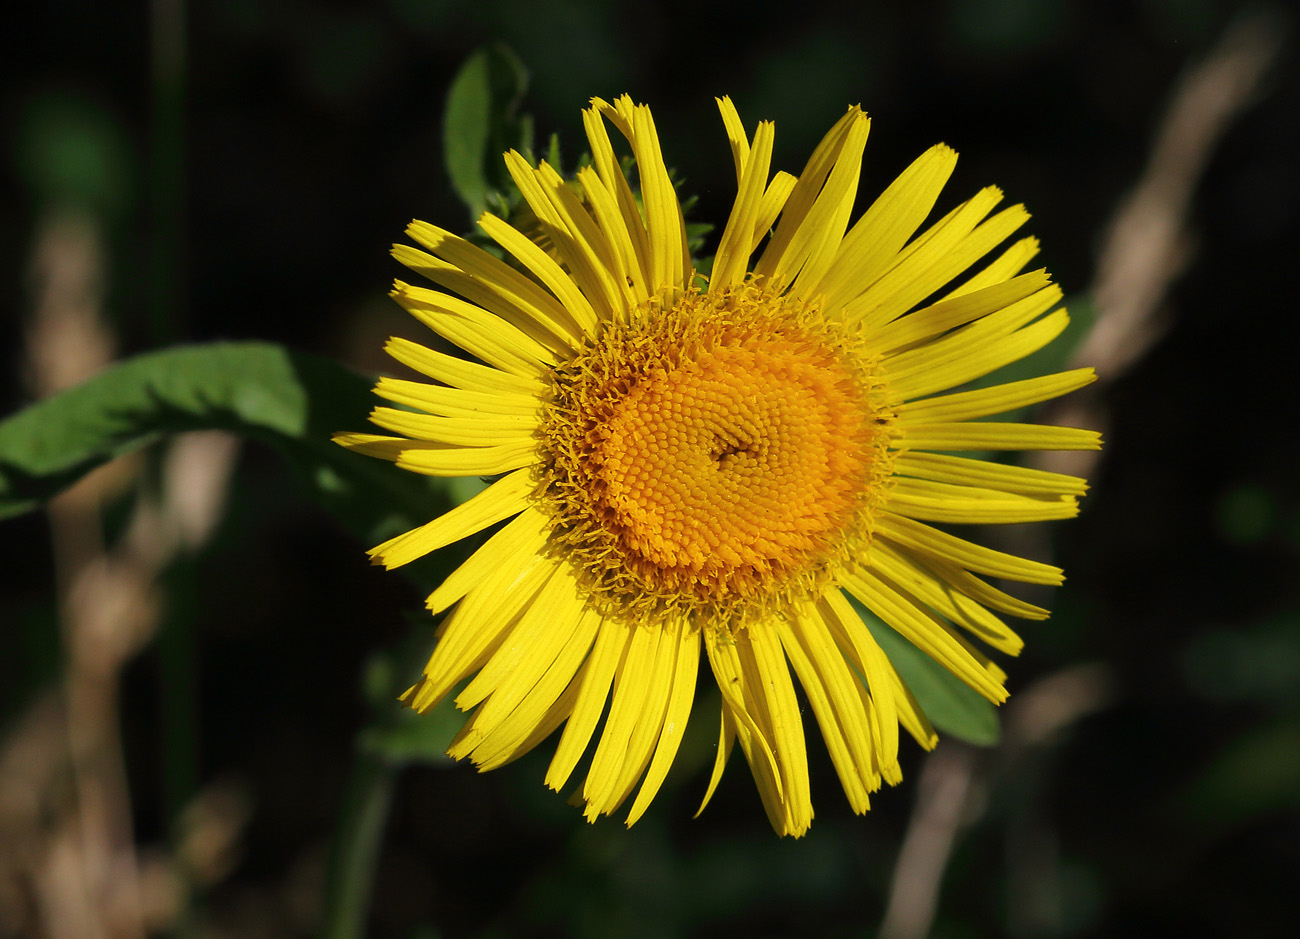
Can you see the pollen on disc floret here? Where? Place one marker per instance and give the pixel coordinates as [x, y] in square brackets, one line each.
[720, 455]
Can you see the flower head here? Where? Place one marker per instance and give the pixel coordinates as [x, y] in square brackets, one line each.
[722, 462]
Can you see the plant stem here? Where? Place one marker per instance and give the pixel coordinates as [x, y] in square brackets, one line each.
[356, 847]
[167, 171]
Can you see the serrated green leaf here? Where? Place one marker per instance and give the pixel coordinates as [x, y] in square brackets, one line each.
[291, 400]
[479, 123]
[952, 706]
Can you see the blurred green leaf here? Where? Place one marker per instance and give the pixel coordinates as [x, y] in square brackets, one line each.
[479, 123]
[1246, 514]
[952, 706]
[290, 400]
[1255, 775]
[397, 735]
[404, 736]
[70, 148]
[1247, 661]
[553, 151]
[1006, 27]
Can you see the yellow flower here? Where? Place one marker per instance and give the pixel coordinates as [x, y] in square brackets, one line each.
[721, 461]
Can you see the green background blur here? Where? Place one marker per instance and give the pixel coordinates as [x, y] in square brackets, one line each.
[311, 134]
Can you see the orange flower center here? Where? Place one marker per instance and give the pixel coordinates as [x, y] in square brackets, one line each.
[721, 454]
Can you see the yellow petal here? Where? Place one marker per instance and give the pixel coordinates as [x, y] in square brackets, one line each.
[967, 505]
[528, 649]
[632, 684]
[996, 399]
[504, 498]
[486, 280]
[554, 277]
[457, 403]
[500, 748]
[975, 350]
[924, 630]
[726, 740]
[818, 240]
[826, 709]
[936, 594]
[737, 243]
[946, 468]
[1006, 266]
[460, 373]
[925, 541]
[679, 709]
[472, 631]
[653, 713]
[946, 249]
[529, 686]
[735, 136]
[870, 247]
[474, 329]
[669, 256]
[878, 698]
[774, 691]
[434, 460]
[729, 675]
[587, 254]
[774, 199]
[933, 321]
[805, 191]
[520, 538]
[981, 592]
[611, 174]
[458, 431]
[593, 684]
[624, 256]
[473, 401]
[987, 435]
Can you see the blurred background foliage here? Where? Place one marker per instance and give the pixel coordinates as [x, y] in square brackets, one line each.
[191, 649]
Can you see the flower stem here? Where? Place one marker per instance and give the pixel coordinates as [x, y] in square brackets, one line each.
[356, 847]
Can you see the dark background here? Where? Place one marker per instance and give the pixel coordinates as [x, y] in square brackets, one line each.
[312, 133]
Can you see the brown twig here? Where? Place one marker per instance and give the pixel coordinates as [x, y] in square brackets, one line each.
[1146, 247]
[941, 806]
[68, 862]
[949, 796]
[1148, 242]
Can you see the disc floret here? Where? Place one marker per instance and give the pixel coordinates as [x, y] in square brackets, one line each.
[719, 455]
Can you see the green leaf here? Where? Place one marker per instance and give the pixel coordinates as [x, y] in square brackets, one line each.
[1256, 775]
[553, 151]
[291, 400]
[407, 737]
[479, 123]
[398, 735]
[952, 706]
